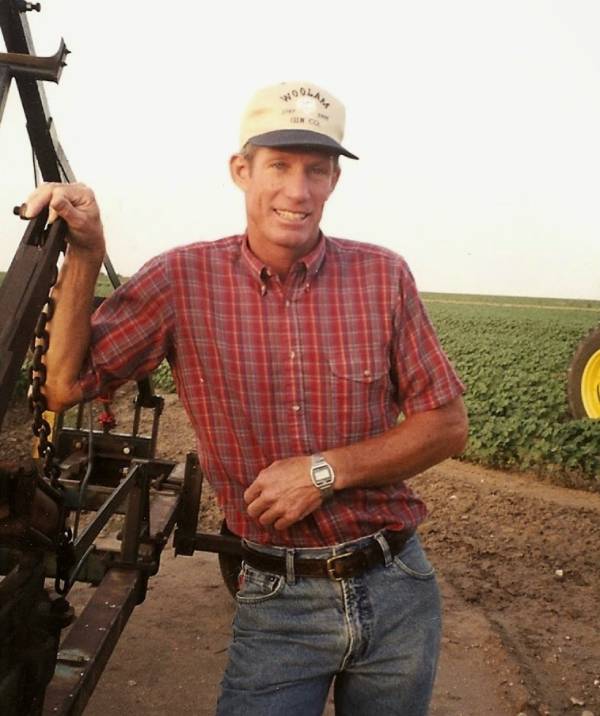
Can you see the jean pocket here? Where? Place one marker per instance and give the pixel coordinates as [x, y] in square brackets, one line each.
[258, 586]
[413, 561]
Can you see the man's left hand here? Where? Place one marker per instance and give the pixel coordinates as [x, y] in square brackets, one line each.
[283, 493]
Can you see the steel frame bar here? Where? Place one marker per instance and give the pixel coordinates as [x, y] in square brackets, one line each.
[108, 509]
[191, 494]
[218, 543]
[40, 68]
[137, 516]
[88, 646]
[5, 78]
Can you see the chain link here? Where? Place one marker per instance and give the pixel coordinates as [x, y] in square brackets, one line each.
[41, 428]
[65, 561]
[37, 400]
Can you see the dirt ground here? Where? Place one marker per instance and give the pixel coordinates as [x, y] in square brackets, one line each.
[518, 565]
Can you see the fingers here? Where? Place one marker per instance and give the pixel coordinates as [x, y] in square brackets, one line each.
[265, 508]
[76, 204]
[252, 492]
[263, 503]
[69, 201]
[278, 515]
[282, 509]
[47, 194]
[257, 506]
[37, 200]
[71, 206]
[271, 515]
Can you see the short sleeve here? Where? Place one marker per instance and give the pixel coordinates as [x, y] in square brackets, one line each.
[132, 331]
[425, 377]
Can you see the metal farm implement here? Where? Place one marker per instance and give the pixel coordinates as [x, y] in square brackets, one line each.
[43, 548]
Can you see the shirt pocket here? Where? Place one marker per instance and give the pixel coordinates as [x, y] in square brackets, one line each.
[359, 392]
[356, 367]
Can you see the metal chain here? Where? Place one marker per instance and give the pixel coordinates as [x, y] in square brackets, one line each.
[65, 553]
[37, 400]
[65, 561]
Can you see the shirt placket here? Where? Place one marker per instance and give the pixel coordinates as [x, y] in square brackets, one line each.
[293, 301]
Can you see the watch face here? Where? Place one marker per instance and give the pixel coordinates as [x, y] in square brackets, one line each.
[322, 474]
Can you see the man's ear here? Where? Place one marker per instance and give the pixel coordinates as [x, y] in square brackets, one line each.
[334, 179]
[336, 176]
[239, 168]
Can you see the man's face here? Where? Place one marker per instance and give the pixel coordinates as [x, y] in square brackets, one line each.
[286, 191]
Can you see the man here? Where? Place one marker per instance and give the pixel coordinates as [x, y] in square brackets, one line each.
[294, 355]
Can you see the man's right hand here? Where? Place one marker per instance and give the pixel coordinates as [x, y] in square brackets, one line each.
[76, 204]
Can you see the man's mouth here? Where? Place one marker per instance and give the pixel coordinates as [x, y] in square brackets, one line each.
[291, 215]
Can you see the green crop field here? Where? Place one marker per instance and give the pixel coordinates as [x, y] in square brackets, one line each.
[517, 301]
[513, 355]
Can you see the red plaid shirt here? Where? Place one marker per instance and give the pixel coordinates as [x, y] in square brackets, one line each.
[268, 370]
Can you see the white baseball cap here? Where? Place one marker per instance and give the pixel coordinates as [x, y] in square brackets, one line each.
[295, 114]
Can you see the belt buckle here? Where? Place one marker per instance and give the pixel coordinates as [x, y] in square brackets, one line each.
[331, 573]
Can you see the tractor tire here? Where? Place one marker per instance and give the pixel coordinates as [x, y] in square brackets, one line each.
[230, 566]
[583, 378]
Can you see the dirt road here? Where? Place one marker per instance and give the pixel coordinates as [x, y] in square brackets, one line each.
[519, 569]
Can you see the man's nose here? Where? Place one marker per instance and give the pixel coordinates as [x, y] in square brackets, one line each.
[297, 185]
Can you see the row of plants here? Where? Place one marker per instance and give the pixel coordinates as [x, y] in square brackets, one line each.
[514, 361]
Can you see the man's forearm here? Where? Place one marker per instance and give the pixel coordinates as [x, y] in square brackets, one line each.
[417, 443]
[70, 327]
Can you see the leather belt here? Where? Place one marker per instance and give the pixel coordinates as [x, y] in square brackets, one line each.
[340, 566]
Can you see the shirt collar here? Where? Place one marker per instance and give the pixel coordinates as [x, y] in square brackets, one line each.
[311, 263]
[314, 260]
[257, 267]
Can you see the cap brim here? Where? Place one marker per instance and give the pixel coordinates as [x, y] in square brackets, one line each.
[300, 138]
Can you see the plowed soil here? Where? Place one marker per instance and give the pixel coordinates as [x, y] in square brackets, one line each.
[519, 569]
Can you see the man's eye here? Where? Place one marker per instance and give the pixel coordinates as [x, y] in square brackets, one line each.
[322, 171]
[278, 165]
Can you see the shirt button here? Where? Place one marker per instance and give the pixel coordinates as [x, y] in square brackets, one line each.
[296, 408]
[367, 373]
[288, 304]
[292, 355]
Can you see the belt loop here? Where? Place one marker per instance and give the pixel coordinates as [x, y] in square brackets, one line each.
[385, 548]
[290, 573]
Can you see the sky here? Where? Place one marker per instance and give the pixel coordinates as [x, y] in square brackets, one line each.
[477, 124]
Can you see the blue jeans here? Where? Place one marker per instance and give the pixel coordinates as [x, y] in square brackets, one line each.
[377, 635]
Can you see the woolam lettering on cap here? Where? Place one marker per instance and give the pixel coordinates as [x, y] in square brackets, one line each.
[305, 92]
